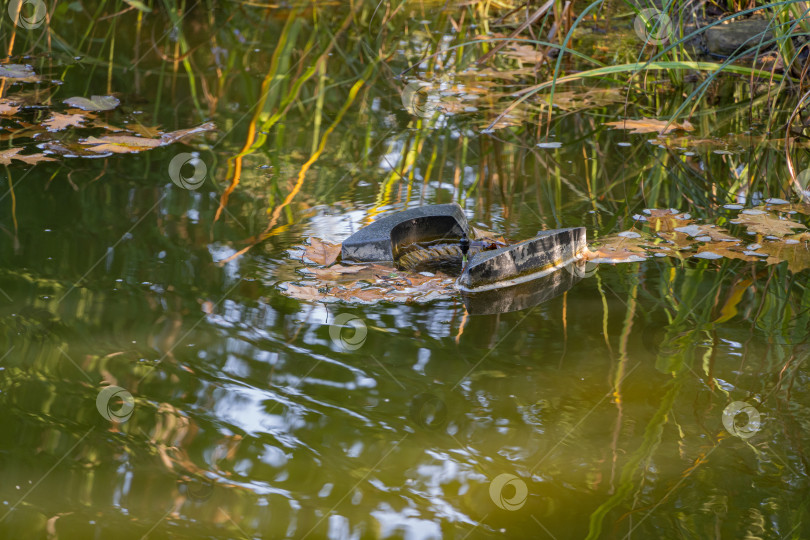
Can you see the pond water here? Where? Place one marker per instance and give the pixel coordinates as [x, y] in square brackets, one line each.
[598, 413]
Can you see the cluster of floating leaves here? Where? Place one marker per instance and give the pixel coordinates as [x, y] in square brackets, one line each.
[67, 132]
[329, 282]
[774, 237]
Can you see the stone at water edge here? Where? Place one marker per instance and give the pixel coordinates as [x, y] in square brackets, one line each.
[378, 242]
[523, 261]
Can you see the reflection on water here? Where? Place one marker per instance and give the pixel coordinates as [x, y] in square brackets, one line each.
[595, 402]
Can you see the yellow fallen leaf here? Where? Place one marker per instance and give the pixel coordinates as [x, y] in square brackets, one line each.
[58, 121]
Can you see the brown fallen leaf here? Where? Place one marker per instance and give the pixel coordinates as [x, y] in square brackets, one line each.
[95, 103]
[367, 295]
[677, 240]
[797, 254]
[25, 130]
[120, 144]
[665, 220]
[104, 125]
[58, 121]
[338, 271]
[617, 248]
[649, 125]
[145, 131]
[18, 71]
[487, 236]
[321, 252]
[13, 153]
[304, 292]
[766, 223]
[725, 250]
[125, 144]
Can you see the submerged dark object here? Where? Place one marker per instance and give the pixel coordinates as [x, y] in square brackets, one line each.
[523, 261]
[524, 295]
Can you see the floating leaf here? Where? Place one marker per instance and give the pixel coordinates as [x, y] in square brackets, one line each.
[7, 108]
[120, 144]
[58, 121]
[321, 252]
[724, 250]
[706, 233]
[758, 221]
[617, 248]
[796, 253]
[337, 271]
[12, 153]
[303, 292]
[125, 144]
[666, 220]
[646, 125]
[16, 71]
[487, 236]
[145, 131]
[95, 103]
[103, 125]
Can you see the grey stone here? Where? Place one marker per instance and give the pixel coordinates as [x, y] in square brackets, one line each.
[524, 295]
[738, 36]
[523, 261]
[379, 241]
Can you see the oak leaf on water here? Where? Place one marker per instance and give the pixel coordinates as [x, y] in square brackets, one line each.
[761, 222]
[14, 153]
[321, 252]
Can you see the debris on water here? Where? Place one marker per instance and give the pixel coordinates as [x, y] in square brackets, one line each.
[707, 255]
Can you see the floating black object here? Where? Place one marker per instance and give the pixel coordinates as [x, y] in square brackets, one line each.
[523, 261]
[383, 241]
[379, 241]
